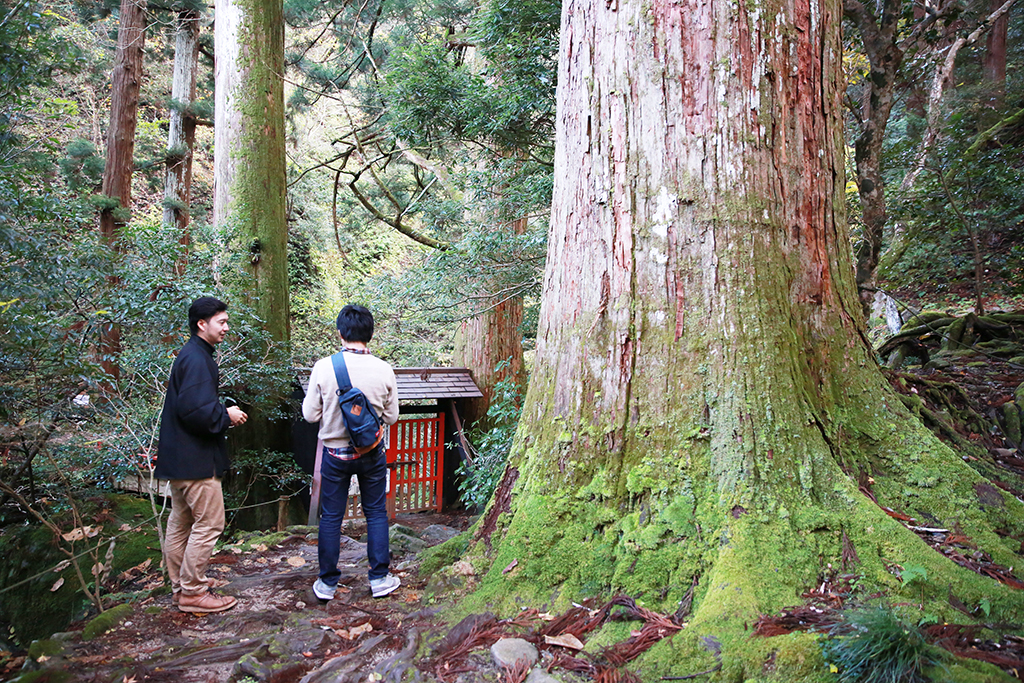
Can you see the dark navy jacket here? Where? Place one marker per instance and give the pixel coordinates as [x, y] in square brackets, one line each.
[194, 420]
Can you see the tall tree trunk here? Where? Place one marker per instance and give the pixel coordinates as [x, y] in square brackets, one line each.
[879, 36]
[994, 66]
[182, 134]
[249, 152]
[250, 199]
[482, 344]
[704, 404]
[491, 346]
[117, 173]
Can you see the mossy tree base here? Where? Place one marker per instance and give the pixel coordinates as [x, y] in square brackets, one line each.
[705, 407]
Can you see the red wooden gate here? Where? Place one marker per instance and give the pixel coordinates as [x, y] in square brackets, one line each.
[416, 462]
[415, 468]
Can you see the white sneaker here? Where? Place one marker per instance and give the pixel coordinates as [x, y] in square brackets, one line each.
[383, 586]
[323, 591]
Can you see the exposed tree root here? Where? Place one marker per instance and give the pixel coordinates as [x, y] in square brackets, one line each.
[479, 631]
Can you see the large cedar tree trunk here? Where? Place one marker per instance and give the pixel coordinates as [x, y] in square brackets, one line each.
[250, 199]
[120, 164]
[249, 146]
[704, 405]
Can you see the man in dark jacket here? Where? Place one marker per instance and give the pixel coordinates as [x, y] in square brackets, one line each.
[192, 456]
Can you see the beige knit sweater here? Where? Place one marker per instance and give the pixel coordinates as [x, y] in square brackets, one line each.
[371, 375]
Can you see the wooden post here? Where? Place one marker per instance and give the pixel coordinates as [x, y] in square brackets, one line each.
[314, 492]
[282, 512]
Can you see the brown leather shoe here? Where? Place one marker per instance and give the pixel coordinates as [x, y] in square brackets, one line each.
[204, 603]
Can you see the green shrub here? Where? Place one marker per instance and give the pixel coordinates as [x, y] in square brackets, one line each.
[480, 478]
[873, 645]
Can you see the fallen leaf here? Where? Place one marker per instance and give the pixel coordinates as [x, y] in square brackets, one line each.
[565, 640]
[260, 547]
[343, 589]
[128, 679]
[78, 533]
[261, 560]
[307, 654]
[510, 567]
[546, 616]
[355, 631]
[236, 551]
[57, 584]
[125, 527]
[296, 561]
[62, 565]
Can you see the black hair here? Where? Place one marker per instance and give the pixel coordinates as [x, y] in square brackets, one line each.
[355, 323]
[203, 308]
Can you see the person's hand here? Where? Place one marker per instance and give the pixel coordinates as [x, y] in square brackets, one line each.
[237, 416]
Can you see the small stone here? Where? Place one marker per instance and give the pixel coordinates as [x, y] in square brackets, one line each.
[538, 675]
[402, 529]
[510, 651]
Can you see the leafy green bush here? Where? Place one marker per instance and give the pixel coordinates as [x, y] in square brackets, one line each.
[479, 479]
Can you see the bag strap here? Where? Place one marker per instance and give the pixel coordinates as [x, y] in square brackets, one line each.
[341, 373]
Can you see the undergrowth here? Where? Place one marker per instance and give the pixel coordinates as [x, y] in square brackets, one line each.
[873, 645]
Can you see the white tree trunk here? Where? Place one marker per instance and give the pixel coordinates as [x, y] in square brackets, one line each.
[181, 134]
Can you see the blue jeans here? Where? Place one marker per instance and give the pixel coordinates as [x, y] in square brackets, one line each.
[335, 475]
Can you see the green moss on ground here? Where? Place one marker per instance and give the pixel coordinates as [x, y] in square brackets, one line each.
[443, 554]
[35, 611]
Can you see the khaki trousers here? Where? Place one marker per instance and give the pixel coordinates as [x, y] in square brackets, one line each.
[196, 521]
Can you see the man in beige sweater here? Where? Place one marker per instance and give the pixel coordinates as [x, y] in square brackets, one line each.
[339, 460]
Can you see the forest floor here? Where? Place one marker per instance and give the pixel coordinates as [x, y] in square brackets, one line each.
[278, 630]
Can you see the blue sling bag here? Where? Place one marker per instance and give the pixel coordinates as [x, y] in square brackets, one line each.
[365, 431]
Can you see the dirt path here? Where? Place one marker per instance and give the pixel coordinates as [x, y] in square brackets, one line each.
[279, 631]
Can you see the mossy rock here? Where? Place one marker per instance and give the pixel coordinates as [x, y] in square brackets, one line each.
[47, 647]
[444, 554]
[1011, 422]
[106, 621]
[251, 540]
[34, 610]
